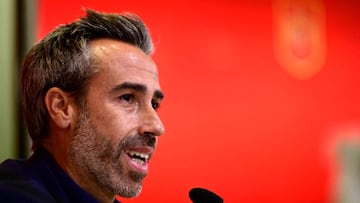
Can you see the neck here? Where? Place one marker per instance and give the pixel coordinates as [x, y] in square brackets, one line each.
[60, 151]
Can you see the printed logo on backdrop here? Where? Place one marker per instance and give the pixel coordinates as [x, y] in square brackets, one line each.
[299, 36]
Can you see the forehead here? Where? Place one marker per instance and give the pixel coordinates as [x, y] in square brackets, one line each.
[118, 62]
[113, 52]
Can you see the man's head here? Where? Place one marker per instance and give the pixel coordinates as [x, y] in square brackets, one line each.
[91, 90]
[62, 59]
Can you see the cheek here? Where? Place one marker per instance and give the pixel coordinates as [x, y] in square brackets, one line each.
[116, 124]
[111, 119]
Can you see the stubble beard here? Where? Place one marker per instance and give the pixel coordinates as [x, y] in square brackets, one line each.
[97, 156]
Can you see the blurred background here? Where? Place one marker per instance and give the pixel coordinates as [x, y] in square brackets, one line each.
[262, 98]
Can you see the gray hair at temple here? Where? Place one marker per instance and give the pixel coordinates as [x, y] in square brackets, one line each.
[62, 60]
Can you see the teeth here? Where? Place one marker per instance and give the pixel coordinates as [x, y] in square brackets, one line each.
[143, 156]
[138, 161]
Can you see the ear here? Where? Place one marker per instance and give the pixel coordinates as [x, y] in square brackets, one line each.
[60, 106]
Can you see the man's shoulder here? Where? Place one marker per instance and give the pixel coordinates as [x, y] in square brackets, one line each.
[22, 191]
[11, 170]
[16, 186]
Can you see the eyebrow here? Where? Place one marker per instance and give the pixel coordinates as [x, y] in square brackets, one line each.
[137, 87]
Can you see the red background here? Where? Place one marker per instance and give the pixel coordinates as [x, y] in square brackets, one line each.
[236, 122]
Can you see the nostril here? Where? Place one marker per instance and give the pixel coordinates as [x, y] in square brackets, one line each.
[148, 133]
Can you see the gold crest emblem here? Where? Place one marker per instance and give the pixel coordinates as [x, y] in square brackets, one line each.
[299, 36]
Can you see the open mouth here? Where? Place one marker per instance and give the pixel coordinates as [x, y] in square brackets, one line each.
[137, 157]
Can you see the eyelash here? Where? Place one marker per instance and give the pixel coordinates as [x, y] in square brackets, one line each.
[129, 97]
[125, 97]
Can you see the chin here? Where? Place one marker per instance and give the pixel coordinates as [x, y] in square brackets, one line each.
[131, 186]
[130, 191]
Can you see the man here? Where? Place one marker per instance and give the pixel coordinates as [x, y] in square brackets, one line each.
[90, 93]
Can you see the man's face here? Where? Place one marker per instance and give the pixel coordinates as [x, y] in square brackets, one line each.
[117, 130]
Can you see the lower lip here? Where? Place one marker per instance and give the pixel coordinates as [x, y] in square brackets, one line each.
[142, 168]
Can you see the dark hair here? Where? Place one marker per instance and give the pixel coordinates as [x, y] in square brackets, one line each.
[62, 60]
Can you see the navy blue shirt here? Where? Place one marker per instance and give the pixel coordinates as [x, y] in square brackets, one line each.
[39, 180]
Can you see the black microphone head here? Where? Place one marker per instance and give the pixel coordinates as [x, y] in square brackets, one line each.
[201, 195]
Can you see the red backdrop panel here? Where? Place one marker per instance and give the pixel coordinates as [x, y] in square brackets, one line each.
[236, 122]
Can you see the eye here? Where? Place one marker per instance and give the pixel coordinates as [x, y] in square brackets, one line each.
[155, 105]
[126, 97]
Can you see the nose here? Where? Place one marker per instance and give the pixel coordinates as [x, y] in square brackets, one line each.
[151, 123]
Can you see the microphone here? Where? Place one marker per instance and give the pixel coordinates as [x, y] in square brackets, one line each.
[201, 195]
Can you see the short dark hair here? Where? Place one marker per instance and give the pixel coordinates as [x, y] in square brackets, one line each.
[62, 59]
